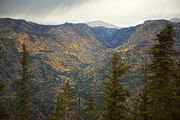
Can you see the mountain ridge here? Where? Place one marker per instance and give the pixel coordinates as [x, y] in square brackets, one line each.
[73, 52]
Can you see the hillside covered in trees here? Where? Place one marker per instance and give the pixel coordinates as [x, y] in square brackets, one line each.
[79, 72]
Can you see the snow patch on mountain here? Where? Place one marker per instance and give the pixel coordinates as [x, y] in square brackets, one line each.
[99, 23]
[175, 20]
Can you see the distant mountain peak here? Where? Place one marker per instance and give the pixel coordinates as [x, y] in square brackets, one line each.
[176, 20]
[99, 23]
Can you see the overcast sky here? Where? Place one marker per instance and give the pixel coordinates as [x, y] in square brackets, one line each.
[118, 12]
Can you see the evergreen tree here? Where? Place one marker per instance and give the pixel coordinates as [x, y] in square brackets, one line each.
[91, 109]
[91, 105]
[114, 95]
[2, 108]
[177, 83]
[65, 102]
[79, 111]
[24, 88]
[161, 88]
[141, 103]
[3, 113]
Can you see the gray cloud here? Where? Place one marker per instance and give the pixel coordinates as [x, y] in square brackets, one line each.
[35, 7]
[119, 12]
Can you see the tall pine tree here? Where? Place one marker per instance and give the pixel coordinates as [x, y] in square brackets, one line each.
[64, 108]
[24, 89]
[114, 95]
[91, 105]
[3, 113]
[161, 88]
[90, 109]
[141, 103]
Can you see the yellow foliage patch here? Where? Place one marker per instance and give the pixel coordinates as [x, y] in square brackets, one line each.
[127, 48]
[55, 63]
[33, 48]
[72, 46]
[22, 39]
